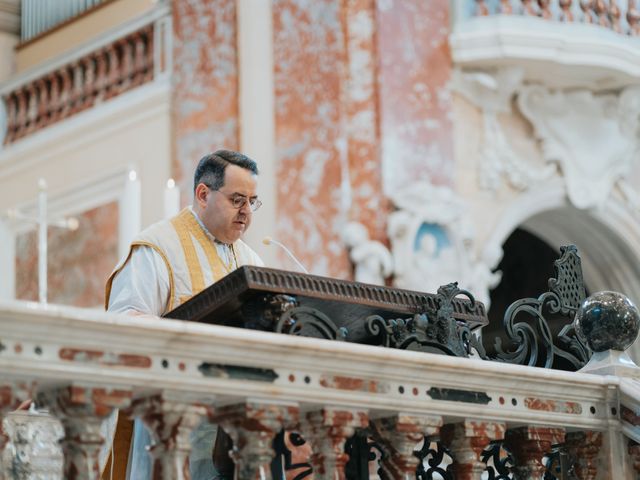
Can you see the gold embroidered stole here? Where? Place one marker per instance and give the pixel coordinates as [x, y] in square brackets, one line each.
[188, 229]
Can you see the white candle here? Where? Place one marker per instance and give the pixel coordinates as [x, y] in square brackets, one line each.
[171, 199]
[42, 241]
[130, 212]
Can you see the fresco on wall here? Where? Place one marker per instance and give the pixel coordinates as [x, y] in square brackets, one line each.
[78, 262]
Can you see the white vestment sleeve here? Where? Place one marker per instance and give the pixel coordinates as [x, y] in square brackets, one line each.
[142, 286]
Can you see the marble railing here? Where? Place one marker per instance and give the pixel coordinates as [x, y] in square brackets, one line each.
[621, 16]
[75, 81]
[434, 414]
[77, 86]
[571, 44]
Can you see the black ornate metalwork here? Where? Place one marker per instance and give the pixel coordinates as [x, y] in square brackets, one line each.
[432, 462]
[362, 450]
[282, 462]
[437, 330]
[534, 344]
[498, 460]
[307, 321]
[559, 464]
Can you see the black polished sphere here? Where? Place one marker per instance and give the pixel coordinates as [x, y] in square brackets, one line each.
[607, 321]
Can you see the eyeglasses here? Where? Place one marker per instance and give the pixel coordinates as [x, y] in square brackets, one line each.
[238, 200]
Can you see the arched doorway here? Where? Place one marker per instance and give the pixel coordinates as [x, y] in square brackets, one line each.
[533, 229]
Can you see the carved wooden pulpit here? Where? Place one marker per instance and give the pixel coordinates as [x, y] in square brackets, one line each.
[308, 305]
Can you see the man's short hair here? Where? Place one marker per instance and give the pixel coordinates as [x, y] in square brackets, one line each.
[210, 169]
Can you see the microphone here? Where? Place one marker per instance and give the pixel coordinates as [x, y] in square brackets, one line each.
[269, 241]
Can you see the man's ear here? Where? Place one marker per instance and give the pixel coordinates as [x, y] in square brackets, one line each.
[201, 194]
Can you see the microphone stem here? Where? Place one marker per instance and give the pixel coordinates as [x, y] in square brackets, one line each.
[291, 256]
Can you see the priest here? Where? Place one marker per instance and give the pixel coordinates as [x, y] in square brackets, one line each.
[170, 262]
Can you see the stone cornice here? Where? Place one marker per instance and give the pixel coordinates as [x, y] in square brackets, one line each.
[10, 16]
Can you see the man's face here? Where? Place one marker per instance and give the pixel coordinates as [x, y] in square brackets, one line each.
[215, 208]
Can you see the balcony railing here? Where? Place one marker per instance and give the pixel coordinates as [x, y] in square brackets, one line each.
[425, 413]
[99, 76]
[590, 44]
[621, 16]
[296, 407]
[113, 64]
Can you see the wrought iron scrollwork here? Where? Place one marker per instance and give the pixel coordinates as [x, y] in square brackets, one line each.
[365, 455]
[438, 330]
[498, 460]
[307, 321]
[292, 459]
[436, 461]
[532, 342]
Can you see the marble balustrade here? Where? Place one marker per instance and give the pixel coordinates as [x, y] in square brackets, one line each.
[80, 364]
[81, 84]
[621, 16]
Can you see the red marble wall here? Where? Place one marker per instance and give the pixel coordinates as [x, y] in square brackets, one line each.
[415, 100]
[205, 84]
[78, 262]
[326, 127]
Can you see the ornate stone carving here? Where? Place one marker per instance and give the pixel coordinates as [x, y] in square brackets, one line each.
[433, 243]
[33, 451]
[593, 138]
[373, 261]
[328, 429]
[252, 427]
[401, 435]
[170, 418]
[81, 411]
[492, 92]
[467, 442]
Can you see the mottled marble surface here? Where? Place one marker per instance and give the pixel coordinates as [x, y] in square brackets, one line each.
[79, 262]
[205, 84]
[415, 98]
[309, 58]
[362, 109]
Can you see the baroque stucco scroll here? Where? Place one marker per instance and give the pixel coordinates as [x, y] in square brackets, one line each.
[593, 138]
[433, 243]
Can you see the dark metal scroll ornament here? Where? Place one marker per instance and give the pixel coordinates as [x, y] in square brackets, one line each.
[362, 451]
[498, 460]
[289, 460]
[438, 330]
[432, 463]
[307, 321]
[534, 344]
[559, 464]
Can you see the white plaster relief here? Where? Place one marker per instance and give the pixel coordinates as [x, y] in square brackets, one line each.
[492, 93]
[433, 243]
[593, 138]
[373, 261]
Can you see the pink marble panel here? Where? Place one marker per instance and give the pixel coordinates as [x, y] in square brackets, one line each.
[309, 58]
[369, 206]
[415, 100]
[326, 127]
[205, 84]
[78, 262]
